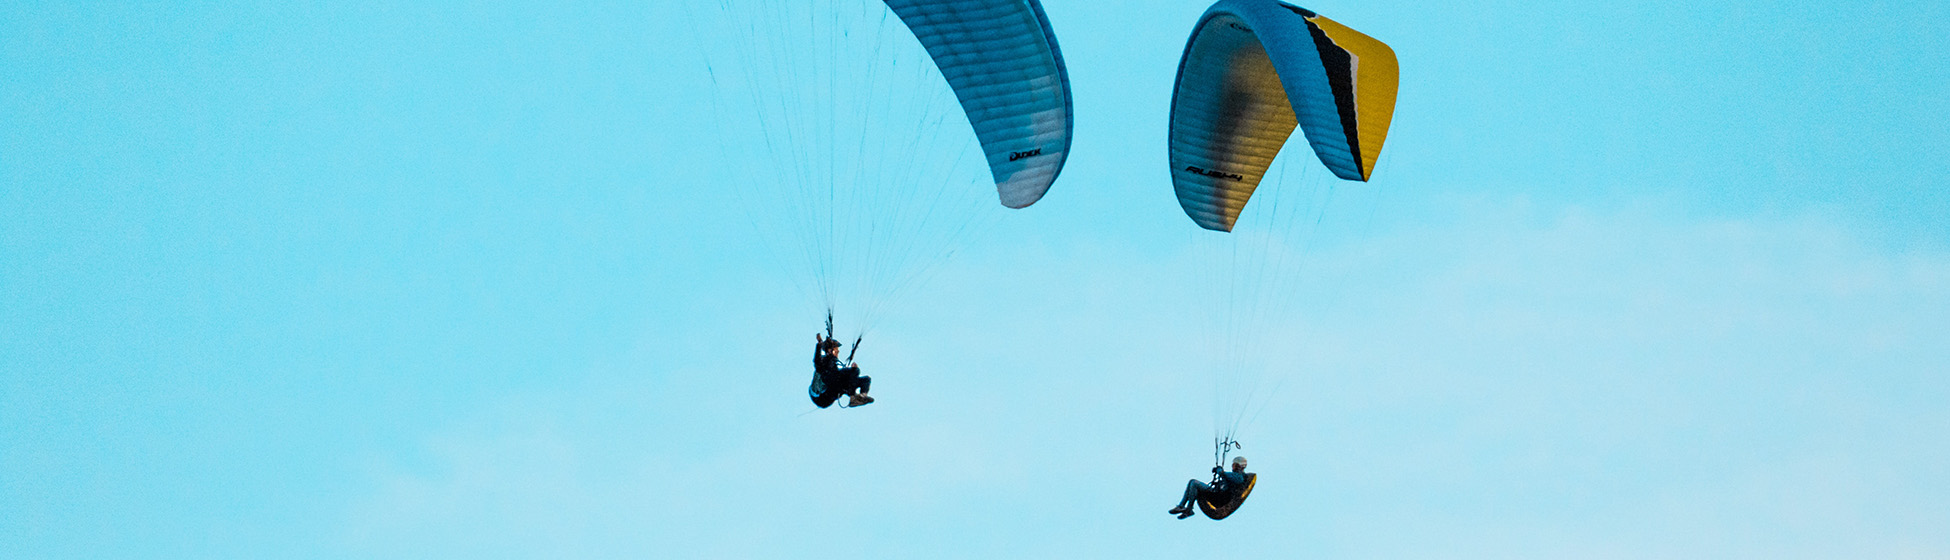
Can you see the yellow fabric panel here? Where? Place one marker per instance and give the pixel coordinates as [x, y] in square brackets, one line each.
[1376, 78]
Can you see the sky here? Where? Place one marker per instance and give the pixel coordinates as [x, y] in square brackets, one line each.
[381, 280]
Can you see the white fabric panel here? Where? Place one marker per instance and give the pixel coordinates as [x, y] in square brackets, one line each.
[1229, 118]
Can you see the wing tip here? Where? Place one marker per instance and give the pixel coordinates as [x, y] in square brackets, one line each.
[1019, 198]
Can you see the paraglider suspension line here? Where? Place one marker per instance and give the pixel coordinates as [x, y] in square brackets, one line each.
[1221, 448]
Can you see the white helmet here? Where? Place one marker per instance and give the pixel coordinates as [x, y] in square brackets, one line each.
[1239, 462]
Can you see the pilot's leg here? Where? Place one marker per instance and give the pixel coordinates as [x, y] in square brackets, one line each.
[1192, 490]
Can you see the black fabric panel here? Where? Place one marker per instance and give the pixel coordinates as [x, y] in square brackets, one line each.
[1340, 78]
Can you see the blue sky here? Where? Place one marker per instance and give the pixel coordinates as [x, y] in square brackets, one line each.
[1652, 280]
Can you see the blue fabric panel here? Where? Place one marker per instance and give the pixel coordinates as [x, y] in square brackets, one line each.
[1001, 60]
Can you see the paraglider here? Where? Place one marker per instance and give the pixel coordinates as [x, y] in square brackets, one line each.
[832, 379]
[1219, 498]
[870, 187]
[1252, 71]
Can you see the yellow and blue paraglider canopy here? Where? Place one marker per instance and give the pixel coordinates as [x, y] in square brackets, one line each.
[1251, 72]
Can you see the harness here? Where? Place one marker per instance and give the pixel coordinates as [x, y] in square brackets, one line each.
[1218, 505]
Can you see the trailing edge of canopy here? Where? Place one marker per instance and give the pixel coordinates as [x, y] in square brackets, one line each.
[1000, 58]
[1251, 72]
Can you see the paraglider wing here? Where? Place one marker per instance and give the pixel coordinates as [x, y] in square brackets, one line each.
[1000, 58]
[1251, 72]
